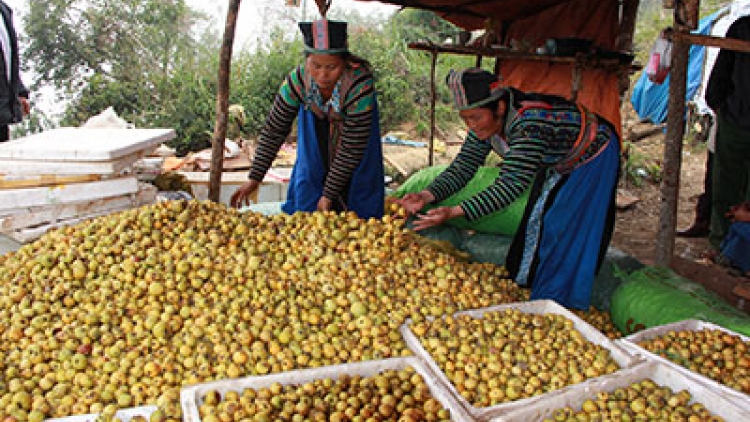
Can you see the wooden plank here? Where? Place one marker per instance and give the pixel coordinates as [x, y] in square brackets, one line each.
[29, 167]
[14, 199]
[9, 181]
[393, 163]
[84, 144]
[712, 41]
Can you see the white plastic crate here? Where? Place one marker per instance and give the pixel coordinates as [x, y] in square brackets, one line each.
[664, 375]
[631, 343]
[124, 414]
[191, 398]
[623, 358]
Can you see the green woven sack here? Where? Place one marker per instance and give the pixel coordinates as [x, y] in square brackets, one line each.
[504, 222]
[656, 296]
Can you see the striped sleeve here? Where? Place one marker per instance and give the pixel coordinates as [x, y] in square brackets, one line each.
[462, 169]
[521, 163]
[278, 123]
[358, 110]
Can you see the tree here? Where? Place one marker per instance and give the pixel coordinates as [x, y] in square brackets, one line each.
[125, 40]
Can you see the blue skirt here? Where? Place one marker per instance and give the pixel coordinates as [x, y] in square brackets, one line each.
[568, 230]
[366, 193]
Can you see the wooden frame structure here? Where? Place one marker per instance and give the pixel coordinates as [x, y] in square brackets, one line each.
[579, 62]
[686, 17]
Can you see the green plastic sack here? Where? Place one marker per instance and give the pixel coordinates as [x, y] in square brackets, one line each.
[504, 222]
[656, 296]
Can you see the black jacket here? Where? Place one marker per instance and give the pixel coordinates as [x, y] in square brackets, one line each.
[10, 107]
[728, 90]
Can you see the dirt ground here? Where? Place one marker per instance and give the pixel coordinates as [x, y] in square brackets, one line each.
[636, 227]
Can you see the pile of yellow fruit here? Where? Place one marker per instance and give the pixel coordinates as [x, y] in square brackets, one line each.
[124, 310]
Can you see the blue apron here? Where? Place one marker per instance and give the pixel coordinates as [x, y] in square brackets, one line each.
[366, 193]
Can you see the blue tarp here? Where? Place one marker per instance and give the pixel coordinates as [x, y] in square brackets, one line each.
[650, 100]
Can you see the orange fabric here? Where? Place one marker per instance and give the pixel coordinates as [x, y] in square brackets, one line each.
[532, 22]
[596, 20]
[598, 93]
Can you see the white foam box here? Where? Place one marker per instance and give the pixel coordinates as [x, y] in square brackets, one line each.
[84, 144]
[631, 343]
[270, 190]
[31, 223]
[620, 355]
[664, 375]
[35, 167]
[15, 199]
[124, 414]
[191, 398]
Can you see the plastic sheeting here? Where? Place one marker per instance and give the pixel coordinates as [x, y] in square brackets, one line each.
[650, 100]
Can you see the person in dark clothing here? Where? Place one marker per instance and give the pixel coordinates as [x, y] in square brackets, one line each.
[701, 226]
[14, 96]
[728, 94]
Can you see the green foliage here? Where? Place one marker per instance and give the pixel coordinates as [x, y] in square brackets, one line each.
[144, 59]
[256, 77]
[638, 168]
[423, 25]
[128, 40]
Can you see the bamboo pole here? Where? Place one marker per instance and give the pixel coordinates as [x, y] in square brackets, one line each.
[222, 102]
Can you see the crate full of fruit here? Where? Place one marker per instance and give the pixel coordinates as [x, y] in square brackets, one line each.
[505, 357]
[113, 413]
[647, 391]
[719, 356]
[387, 389]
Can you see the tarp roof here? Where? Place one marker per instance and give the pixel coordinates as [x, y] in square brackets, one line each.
[530, 23]
[471, 14]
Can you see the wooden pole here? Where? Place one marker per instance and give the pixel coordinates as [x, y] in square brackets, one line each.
[671, 167]
[433, 98]
[222, 102]
[711, 41]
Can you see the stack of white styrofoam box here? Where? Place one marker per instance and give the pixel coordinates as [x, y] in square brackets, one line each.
[272, 189]
[623, 358]
[125, 415]
[664, 375]
[63, 176]
[631, 343]
[191, 398]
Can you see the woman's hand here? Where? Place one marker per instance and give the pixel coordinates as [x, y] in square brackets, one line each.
[414, 202]
[436, 217]
[243, 194]
[325, 204]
